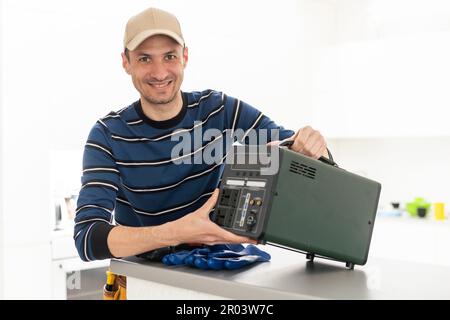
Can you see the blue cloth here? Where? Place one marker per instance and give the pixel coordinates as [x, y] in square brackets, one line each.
[218, 257]
[128, 172]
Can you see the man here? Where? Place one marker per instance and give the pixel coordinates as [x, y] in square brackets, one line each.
[128, 165]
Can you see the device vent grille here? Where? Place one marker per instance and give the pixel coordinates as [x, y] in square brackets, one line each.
[303, 169]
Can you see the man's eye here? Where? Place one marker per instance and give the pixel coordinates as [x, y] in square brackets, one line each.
[144, 59]
[171, 57]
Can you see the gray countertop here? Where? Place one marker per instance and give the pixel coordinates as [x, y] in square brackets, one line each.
[289, 276]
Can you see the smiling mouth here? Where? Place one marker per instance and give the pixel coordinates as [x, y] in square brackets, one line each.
[160, 85]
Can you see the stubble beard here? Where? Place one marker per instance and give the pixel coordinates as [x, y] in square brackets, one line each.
[152, 100]
[155, 101]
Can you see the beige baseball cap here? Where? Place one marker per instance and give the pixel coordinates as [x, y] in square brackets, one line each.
[151, 22]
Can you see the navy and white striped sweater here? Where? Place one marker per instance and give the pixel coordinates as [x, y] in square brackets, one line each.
[129, 177]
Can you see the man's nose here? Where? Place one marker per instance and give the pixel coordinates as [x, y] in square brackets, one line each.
[159, 71]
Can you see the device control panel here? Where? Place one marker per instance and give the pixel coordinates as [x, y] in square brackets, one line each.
[244, 199]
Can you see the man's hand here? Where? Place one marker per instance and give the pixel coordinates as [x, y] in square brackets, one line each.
[197, 227]
[309, 142]
[194, 228]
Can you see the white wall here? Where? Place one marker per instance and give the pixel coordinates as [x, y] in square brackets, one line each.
[262, 53]
[389, 71]
[25, 154]
[406, 167]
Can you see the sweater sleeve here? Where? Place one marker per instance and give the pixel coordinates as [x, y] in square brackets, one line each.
[97, 196]
[251, 126]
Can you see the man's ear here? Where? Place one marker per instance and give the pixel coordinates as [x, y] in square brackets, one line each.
[125, 63]
[185, 56]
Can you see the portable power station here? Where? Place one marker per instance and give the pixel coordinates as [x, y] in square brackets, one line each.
[308, 205]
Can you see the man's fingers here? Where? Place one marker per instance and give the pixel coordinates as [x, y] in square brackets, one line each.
[225, 236]
[234, 238]
[300, 138]
[239, 239]
[316, 151]
[209, 205]
[277, 142]
[319, 150]
[274, 143]
[309, 142]
[314, 146]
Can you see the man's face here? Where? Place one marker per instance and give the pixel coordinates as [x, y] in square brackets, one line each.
[157, 68]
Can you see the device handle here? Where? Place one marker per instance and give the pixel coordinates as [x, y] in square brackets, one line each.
[289, 143]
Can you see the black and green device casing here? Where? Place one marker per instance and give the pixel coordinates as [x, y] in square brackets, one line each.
[307, 205]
